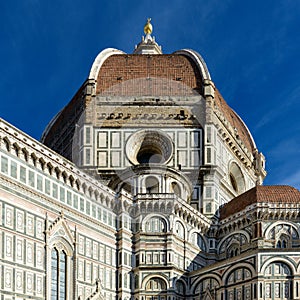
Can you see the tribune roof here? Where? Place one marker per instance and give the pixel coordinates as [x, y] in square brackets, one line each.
[258, 194]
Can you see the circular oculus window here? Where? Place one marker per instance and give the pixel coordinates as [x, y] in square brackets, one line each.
[149, 147]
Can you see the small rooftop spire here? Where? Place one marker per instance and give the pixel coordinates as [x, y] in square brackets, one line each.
[148, 44]
[148, 27]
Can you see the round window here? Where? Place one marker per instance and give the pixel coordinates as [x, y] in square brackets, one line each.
[149, 147]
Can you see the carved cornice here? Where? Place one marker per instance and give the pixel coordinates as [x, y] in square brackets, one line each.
[230, 137]
[32, 152]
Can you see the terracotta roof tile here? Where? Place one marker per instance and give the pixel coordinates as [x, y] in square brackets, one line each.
[131, 67]
[270, 194]
[235, 122]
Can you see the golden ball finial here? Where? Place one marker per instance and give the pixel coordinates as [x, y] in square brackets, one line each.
[148, 27]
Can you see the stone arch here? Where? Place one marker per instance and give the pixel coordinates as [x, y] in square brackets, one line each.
[233, 248]
[203, 277]
[176, 188]
[159, 218]
[235, 267]
[102, 198]
[57, 172]
[90, 192]
[180, 287]
[194, 239]
[42, 163]
[59, 232]
[283, 234]
[60, 241]
[169, 207]
[278, 280]
[143, 207]
[286, 260]
[239, 275]
[267, 231]
[71, 180]
[224, 239]
[236, 178]
[100, 59]
[149, 146]
[209, 279]
[158, 276]
[156, 207]
[180, 228]
[50, 168]
[152, 184]
[34, 158]
[150, 207]
[106, 201]
[298, 267]
[97, 195]
[198, 60]
[64, 176]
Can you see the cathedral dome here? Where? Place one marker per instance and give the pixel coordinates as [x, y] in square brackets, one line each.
[182, 73]
[148, 75]
[241, 130]
[116, 73]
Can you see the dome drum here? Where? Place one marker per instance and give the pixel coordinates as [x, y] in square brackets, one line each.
[149, 147]
[153, 179]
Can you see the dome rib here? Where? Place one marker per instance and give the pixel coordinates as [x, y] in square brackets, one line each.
[198, 60]
[100, 59]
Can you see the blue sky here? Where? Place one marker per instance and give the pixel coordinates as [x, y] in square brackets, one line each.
[251, 49]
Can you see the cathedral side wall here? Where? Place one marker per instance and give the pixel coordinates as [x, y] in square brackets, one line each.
[43, 209]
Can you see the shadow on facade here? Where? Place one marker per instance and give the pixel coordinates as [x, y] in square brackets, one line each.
[225, 268]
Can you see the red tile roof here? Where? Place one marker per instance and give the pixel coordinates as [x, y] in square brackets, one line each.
[235, 121]
[138, 75]
[260, 193]
[133, 67]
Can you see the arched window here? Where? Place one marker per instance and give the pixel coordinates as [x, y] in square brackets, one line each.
[60, 261]
[278, 281]
[179, 230]
[54, 274]
[233, 182]
[206, 289]
[233, 250]
[198, 241]
[284, 244]
[180, 288]
[175, 188]
[156, 224]
[156, 284]
[58, 274]
[235, 287]
[152, 185]
[282, 241]
[284, 235]
[62, 275]
[236, 178]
